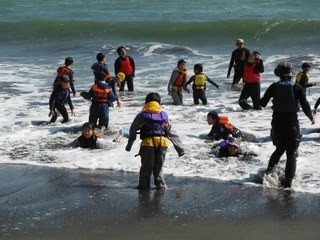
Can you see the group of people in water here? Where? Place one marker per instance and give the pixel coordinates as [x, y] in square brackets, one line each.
[152, 123]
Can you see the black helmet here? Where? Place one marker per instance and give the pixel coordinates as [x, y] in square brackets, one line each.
[213, 115]
[181, 61]
[88, 125]
[284, 69]
[153, 97]
[198, 67]
[306, 66]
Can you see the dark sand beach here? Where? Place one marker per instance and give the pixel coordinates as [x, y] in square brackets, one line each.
[55, 203]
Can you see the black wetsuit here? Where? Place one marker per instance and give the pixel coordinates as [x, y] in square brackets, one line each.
[58, 98]
[285, 130]
[218, 131]
[238, 64]
[91, 143]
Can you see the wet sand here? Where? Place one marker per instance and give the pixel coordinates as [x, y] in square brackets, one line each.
[50, 203]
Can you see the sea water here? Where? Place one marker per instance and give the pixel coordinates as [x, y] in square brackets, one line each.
[36, 36]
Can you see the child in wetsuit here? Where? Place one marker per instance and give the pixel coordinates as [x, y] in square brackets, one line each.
[221, 128]
[302, 77]
[177, 82]
[199, 84]
[59, 96]
[88, 138]
[100, 67]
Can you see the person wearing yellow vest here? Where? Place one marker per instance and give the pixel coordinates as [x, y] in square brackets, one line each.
[252, 77]
[124, 63]
[303, 77]
[177, 81]
[155, 131]
[199, 84]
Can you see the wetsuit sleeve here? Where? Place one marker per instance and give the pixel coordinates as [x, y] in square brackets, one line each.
[87, 95]
[190, 80]
[231, 62]
[70, 102]
[173, 78]
[74, 144]
[174, 138]
[317, 104]
[259, 68]
[135, 126]
[212, 82]
[300, 94]
[268, 95]
[52, 99]
[70, 74]
[117, 65]
[133, 66]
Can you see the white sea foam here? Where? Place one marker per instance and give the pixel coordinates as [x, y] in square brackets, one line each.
[24, 104]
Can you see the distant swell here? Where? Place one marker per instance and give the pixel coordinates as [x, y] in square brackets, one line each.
[154, 31]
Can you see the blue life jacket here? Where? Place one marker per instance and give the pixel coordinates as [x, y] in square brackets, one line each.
[62, 94]
[155, 124]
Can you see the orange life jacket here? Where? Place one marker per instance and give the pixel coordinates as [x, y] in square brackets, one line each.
[224, 120]
[180, 79]
[100, 95]
[62, 71]
[125, 66]
[248, 74]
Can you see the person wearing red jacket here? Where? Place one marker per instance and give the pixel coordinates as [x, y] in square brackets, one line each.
[252, 77]
[125, 64]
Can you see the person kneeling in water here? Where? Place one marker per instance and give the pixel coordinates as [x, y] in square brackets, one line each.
[88, 138]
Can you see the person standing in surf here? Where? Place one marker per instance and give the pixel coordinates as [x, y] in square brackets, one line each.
[252, 76]
[285, 128]
[155, 131]
[177, 81]
[66, 70]
[303, 77]
[59, 96]
[237, 61]
[199, 84]
[100, 67]
[124, 63]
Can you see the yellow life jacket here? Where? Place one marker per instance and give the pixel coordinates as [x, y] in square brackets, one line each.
[299, 76]
[200, 81]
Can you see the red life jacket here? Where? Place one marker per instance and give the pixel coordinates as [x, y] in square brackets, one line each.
[248, 74]
[125, 66]
[100, 95]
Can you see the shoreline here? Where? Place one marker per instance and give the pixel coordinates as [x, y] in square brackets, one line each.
[54, 203]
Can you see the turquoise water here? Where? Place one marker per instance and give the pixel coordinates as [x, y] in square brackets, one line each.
[201, 24]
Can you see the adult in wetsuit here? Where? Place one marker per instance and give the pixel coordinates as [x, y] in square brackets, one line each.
[237, 61]
[285, 130]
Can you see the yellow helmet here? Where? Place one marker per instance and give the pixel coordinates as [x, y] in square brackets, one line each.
[121, 76]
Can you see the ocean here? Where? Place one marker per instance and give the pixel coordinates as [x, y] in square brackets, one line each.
[36, 37]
